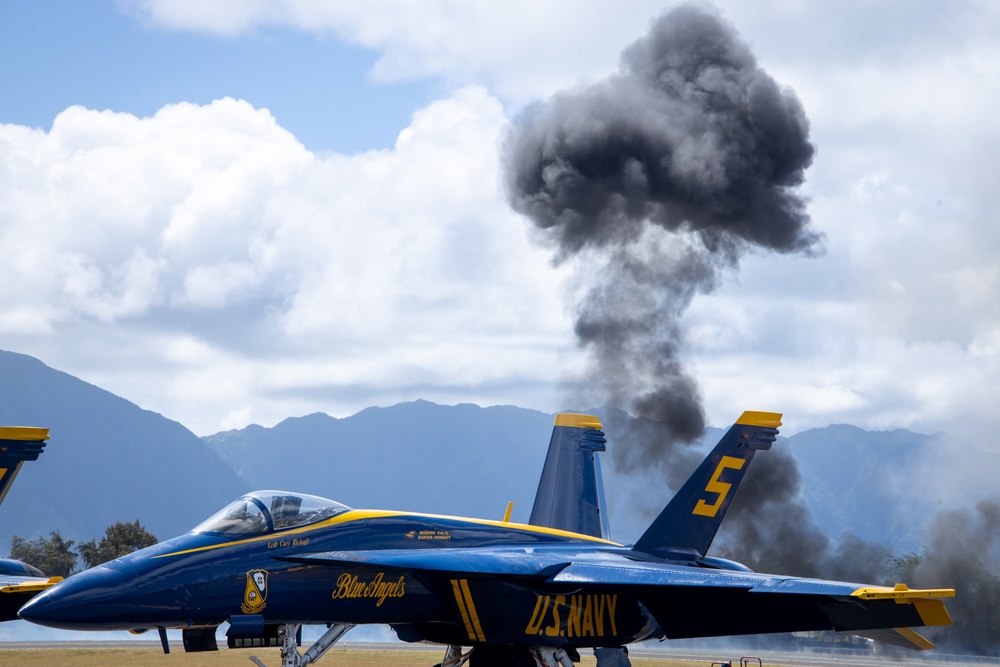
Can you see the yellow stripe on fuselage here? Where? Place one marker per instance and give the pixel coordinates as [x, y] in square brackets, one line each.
[463, 596]
[361, 515]
[473, 614]
[462, 609]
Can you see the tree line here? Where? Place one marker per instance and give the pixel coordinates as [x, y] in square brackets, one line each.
[56, 556]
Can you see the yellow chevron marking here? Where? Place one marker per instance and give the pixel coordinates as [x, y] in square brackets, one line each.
[463, 596]
[472, 610]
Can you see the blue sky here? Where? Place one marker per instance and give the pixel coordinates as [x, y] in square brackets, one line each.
[99, 56]
[232, 213]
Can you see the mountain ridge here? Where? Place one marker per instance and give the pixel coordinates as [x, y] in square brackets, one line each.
[107, 460]
[110, 460]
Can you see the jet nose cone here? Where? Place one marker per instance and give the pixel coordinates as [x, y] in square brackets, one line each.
[97, 599]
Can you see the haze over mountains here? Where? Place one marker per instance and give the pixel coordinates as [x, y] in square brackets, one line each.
[110, 460]
[106, 460]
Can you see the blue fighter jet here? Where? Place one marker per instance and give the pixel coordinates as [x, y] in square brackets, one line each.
[19, 582]
[516, 594]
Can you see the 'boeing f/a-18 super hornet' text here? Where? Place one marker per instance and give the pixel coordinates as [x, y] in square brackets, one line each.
[517, 594]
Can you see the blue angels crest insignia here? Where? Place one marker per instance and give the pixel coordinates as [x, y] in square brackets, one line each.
[255, 595]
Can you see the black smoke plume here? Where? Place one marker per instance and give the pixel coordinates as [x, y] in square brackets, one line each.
[963, 552]
[770, 529]
[655, 182]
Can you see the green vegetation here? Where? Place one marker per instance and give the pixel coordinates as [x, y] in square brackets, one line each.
[56, 558]
[53, 556]
[119, 539]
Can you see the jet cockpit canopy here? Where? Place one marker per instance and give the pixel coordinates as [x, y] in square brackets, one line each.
[263, 512]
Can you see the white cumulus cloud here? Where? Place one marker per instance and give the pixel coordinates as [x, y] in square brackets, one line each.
[215, 270]
[267, 270]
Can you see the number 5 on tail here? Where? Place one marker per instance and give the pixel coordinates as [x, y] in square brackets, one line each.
[720, 488]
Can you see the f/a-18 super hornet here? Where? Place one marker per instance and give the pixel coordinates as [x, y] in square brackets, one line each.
[510, 593]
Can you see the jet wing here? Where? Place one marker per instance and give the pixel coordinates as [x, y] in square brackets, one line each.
[26, 584]
[685, 601]
[690, 602]
[15, 591]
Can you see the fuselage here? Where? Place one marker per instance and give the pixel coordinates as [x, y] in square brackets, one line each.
[204, 578]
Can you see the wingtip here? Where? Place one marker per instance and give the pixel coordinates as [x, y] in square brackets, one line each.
[901, 592]
[926, 601]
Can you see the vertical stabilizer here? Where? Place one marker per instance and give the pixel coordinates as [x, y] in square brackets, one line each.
[17, 445]
[690, 521]
[570, 493]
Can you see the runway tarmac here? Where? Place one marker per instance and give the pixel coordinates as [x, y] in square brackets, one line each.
[790, 659]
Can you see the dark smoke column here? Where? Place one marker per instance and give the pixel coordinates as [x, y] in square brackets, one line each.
[653, 182]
